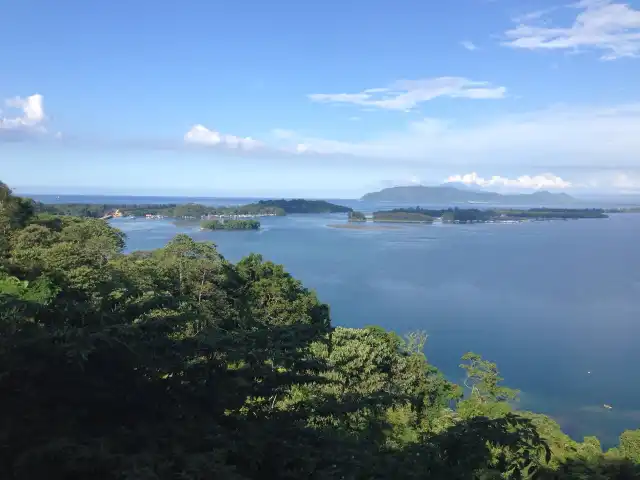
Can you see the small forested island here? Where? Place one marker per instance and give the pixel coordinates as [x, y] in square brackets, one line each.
[357, 217]
[230, 224]
[191, 210]
[474, 215]
[179, 364]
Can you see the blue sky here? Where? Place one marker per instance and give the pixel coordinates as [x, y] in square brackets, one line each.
[319, 98]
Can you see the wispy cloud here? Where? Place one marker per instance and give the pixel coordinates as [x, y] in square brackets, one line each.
[545, 180]
[535, 15]
[407, 94]
[613, 28]
[201, 135]
[560, 136]
[469, 45]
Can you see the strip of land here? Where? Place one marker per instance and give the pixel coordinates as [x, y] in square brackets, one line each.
[473, 215]
[193, 211]
[355, 226]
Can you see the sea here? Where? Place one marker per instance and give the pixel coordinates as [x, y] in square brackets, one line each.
[556, 304]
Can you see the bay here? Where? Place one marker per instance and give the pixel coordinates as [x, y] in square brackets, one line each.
[555, 304]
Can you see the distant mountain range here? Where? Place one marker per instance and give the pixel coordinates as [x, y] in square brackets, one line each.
[445, 194]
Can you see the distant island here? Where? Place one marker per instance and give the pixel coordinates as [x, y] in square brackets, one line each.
[623, 210]
[474, 215]
[447, 194]
[192, 211]
[230, 225]
[304, 206]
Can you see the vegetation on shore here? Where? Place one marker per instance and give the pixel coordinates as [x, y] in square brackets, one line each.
[192, 210]
[230, 224]
[402, 216]
[473, 215]
[188, 210]
[176, 363]
[623, 210]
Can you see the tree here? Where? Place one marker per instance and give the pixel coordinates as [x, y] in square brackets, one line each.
[630, 445]
[486, 396]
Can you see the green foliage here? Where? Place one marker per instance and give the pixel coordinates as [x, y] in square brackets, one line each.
[230, 225]
[400, 215]
[486, 396]
[176, 363]
[472, 215]
[630, 445]
[305, 206]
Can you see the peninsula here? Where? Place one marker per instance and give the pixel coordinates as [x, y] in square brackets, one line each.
[448, 194]
[192, 211]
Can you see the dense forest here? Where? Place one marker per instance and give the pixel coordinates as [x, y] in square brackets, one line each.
[187, 210]
[177, 364]
[305, 206]
[192, 210]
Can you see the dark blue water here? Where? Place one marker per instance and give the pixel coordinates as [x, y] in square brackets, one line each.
[548, 301]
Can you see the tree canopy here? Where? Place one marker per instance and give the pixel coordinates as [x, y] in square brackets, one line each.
[176, 363]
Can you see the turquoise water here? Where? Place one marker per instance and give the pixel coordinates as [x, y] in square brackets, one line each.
[548, 301]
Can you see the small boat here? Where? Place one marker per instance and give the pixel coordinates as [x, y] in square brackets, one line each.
[608, 407]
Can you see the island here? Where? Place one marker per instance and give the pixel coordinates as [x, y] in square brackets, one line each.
[357, 217]
[304, 206]
[192, 211]
[623, 210]
[445, 194]
[474, 215]
[403, 216]
[230, 225]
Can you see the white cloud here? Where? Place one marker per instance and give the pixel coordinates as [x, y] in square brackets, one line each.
[545, 181]
[201, 135]
[603, 25]
[407, 94]
[30, 117]
[560, 136]
[469, 45]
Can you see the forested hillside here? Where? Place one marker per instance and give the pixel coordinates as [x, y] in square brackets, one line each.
[177, 364]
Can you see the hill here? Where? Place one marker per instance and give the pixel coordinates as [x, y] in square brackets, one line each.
[305, 206]
[447, 195]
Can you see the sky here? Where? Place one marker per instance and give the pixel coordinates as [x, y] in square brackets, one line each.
[319, 98]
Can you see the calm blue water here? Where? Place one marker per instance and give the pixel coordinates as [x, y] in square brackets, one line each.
[547, 301]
